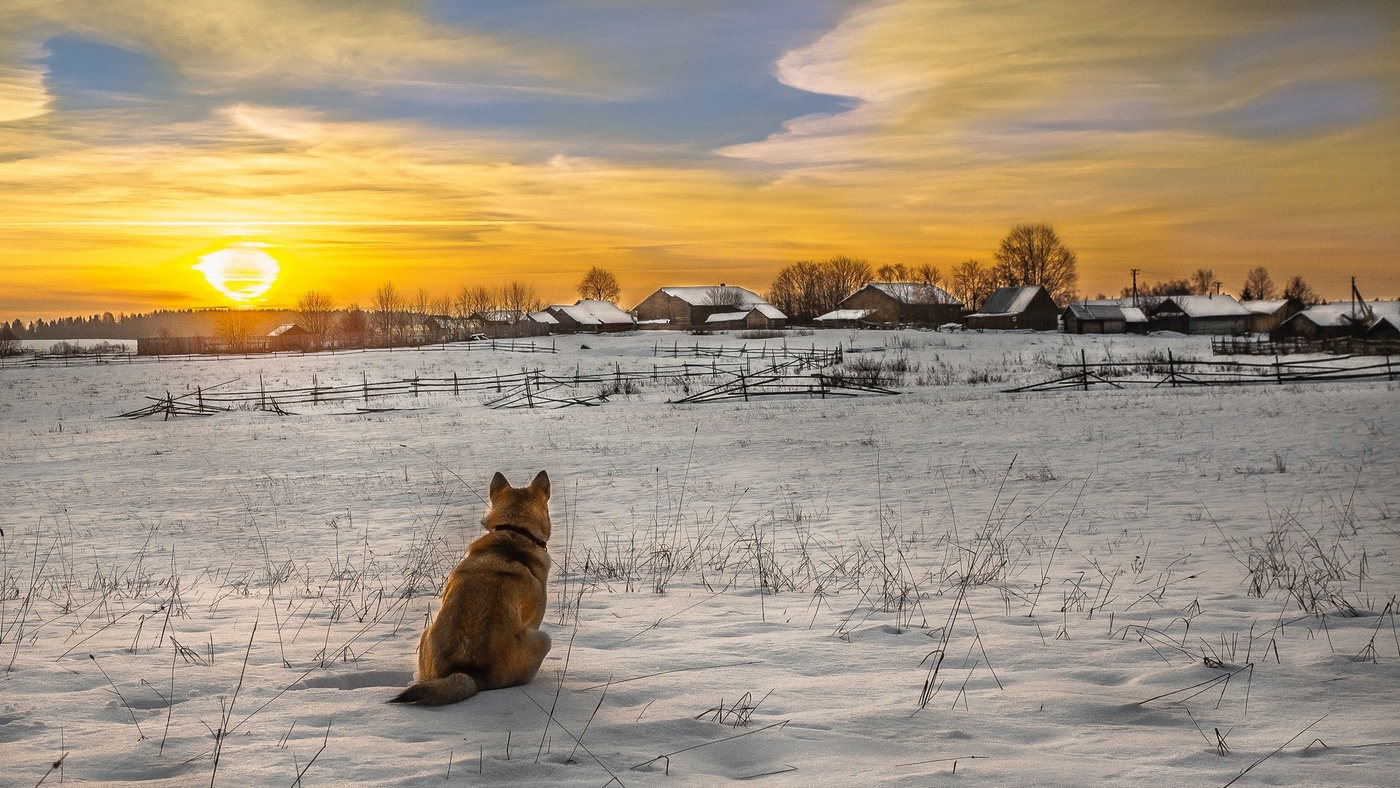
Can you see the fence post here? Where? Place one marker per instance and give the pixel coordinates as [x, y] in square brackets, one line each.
[315, 394]
[529, 399]
[1084, 367]
[1278, 371]
[262, 394]
[1171, 368]
[364, 377]
[455, 391]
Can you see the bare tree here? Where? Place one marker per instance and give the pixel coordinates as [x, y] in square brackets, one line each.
[519, 299]
[234, 327]
[972, 283]
[807, 289]
[898, 272]
[475, 298]
[599, 285]
[1202, 282]
[723, 295]
[1258, 286]
[1032, 254]
[316, 313]
[387, 310]
[353, 325]
[9, 343]
[927, 274]
[1302, 291]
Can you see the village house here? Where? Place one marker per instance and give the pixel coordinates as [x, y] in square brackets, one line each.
[1337, 320]
[1010, 308]
[590, 316]
[692, 307]
[1103, 317]
[1196, 314]
[289, 337]
[758, 317]
[1265, 316]
[904, 303]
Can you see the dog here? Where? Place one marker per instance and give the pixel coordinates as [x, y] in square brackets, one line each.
[487, 634]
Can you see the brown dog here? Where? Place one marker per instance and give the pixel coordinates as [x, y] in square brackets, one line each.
[487, 634]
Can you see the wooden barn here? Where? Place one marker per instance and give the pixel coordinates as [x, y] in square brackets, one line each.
[1091, 317]
[1011, 308]
[1218, 314]
[591, 316]
[904, 303]
[761, 316]
[691, 307]
[289, 336]
[1265, 316]
[1331, 321]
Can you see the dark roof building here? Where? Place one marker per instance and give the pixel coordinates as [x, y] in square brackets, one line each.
[1009, 308]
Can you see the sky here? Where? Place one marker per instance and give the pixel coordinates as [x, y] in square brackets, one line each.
[435, 145]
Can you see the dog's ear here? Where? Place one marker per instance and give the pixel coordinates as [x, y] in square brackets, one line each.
[541, 483]
[498, 483]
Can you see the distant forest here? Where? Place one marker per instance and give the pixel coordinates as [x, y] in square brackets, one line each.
[162, 323]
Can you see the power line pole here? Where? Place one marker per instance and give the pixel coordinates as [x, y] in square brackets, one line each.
[1135, 273]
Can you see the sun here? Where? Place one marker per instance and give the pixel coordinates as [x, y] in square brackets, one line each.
[242, 271]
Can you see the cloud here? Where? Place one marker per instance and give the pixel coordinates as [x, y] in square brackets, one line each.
[365, 46]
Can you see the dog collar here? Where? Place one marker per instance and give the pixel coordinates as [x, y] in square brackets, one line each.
[517, 529]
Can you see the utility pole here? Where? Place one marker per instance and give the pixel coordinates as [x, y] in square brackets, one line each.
[1135, 273]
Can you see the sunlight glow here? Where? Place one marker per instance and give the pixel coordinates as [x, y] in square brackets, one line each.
[242, 271]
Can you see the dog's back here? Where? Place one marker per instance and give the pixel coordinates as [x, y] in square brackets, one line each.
[486, 636]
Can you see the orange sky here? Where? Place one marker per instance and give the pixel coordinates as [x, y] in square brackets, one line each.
[437, 145]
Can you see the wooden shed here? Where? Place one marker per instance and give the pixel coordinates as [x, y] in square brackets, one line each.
[904, 303]
[1265, 316]
[1191, 314]
[591, 316]
[1010, 308]
[691, 307]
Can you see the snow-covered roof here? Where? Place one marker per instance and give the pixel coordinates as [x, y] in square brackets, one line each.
[593, 313]
[915, 293]
[1268, 307]
[726, 317]
[1098, 311]
[1133, 314]
[769, 311]
[843, 315]
[1341, 313]
[1009, 300]
[286, 328]
[1208, 306]
[544, 317]
[705, 295]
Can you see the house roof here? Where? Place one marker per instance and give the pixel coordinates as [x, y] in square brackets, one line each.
[544, 317]
[1010, 300]
[769, 311]
[286, 329]
[1268, 307]
[593, 313]
[1206, 306]
[1099, 310]
[704, 295]
[1090, 311]
[844, 314]
[914, 293]
[1348, 313]
[726, 317]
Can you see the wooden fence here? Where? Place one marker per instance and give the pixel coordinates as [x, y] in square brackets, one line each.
[814, 357]
[207, 400]
[1173, 372]
[1264, 346]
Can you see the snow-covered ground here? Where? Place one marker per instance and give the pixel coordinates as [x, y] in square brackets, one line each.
[951, 585]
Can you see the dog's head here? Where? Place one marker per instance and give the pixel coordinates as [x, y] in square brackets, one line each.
[522, 507]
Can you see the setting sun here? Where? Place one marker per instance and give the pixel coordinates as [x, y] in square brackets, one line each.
[241, 271]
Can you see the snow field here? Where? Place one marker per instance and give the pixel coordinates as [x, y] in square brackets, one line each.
[953, 584]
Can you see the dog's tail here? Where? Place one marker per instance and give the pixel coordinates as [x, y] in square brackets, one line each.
[452, 688]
